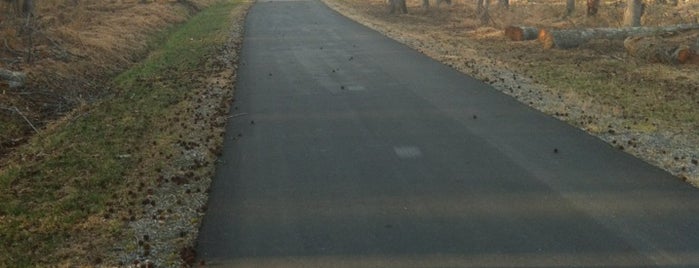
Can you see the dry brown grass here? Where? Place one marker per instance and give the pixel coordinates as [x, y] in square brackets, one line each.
[69, 49]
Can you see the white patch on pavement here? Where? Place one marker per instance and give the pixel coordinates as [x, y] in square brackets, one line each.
[407, 152]
[356, 88]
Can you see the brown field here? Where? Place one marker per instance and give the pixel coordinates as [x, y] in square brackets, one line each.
[650, 110]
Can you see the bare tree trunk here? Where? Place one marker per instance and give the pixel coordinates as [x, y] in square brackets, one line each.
[633, 13]
[565, 39]
[479, 7]
[28, 7]
[485, 15]
[439, 2]
[570, 7]
[592, 7]
[398, 5]
[426, 4]
[504, 3]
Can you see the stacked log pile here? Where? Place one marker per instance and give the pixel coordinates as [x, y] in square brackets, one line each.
[572, 38]
[645, 43]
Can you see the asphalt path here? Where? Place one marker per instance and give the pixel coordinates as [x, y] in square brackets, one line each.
[348, 149]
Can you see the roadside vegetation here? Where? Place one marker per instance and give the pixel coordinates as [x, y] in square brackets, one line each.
[649, 109]
[72, 193]
[68, 50]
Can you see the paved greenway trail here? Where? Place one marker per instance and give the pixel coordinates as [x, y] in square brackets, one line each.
[364, 153]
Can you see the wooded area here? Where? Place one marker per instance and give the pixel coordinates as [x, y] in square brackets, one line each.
[633, 12]
[646, 43]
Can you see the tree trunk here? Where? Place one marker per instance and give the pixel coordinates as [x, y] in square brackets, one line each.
[479, 7]
[504, 3]
[592, 7]
[28, 7]
[394, 5]
[439, 2]
[398, 5]
[426, 4]
[658, 50]
[633, 13]
[565, 39]
[13, 79]
[485, 15]
[521, 33]
[570, 7]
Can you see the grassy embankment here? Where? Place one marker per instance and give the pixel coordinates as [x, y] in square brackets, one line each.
[69, 49]
[67, 194]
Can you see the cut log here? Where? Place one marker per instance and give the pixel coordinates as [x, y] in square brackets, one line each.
[13, 79]
[658, 50]
[521, 33]
[565, 39]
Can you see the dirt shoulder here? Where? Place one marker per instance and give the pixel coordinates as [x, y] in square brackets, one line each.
[648, 110]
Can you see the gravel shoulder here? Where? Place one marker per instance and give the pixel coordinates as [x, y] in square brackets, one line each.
[165, 233]
[546, 80]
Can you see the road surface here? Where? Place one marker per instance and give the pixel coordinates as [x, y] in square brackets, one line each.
[347, 149]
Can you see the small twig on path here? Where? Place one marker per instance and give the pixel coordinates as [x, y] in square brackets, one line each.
[236, 115]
